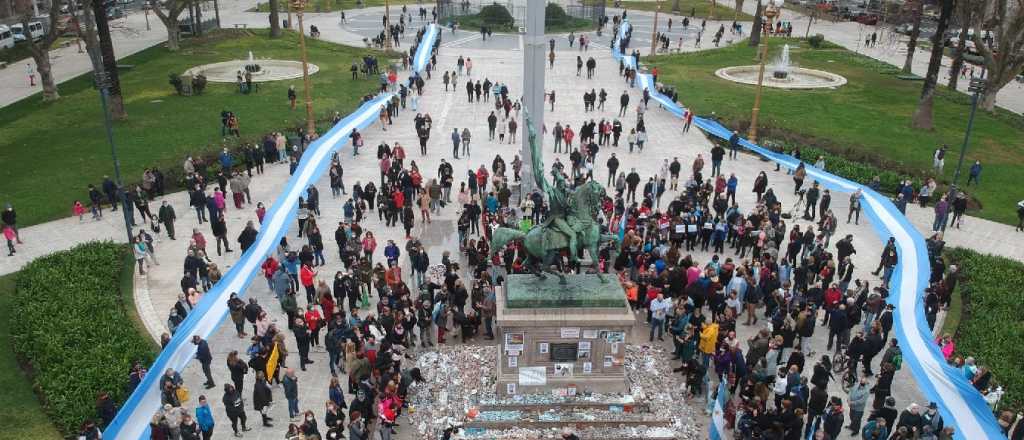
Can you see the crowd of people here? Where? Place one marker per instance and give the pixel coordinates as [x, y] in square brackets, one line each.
[693, 260]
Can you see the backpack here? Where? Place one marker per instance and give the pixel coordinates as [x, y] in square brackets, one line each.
[897, 361]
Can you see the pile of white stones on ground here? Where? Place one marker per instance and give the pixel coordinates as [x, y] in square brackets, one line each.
[461, 379]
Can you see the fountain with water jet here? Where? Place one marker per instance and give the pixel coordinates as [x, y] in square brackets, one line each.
[784, 75]
[781, 69]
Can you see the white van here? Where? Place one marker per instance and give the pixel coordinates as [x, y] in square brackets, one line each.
[35, 30]
[6, 37]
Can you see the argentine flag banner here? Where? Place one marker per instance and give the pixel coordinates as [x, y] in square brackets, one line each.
[718, 415]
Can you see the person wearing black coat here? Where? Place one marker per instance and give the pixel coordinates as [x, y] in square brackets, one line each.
[262, 397]
[219, 227]
[248, 236]
[815, 407]
[234, 406]
[205, 358]
[833, 419]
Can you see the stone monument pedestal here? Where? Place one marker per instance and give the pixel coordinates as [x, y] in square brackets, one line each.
[563, 339]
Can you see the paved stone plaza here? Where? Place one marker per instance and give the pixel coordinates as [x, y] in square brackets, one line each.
[500, 60]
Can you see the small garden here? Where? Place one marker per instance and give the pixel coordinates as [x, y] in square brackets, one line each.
[75, 330]
[22, 415]
[863, 127]
[162, 127]
[691, 8]
[992, 318]
[331, 5]
[498, 18]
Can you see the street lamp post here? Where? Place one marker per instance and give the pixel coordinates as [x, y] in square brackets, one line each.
[654, 30]
[300, 6]
[770, 11]
[103, 83]
[976, 87]
[387, 24]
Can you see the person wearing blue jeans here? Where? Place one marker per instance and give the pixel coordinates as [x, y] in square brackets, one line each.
[659, 309]
[291, 392]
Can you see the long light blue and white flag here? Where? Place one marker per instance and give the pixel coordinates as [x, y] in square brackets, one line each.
[717, 428]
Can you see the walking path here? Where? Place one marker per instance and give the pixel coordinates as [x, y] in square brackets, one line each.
[157, 291]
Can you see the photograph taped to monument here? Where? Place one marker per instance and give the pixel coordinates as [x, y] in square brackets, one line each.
[564, 370]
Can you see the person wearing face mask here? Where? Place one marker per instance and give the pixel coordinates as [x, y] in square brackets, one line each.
[309, 426]
[857, 400]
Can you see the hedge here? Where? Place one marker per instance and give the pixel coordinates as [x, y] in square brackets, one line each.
[992, 322]
[859, 172]
[72, 331]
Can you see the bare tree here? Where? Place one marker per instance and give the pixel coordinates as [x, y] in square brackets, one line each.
[115, 101]
[275, 20]
[739, 8]
[1002, 47]
[168, 11]
[922, 118]
[40, 49]
[757, 28]
[963, 13]
[915, 32]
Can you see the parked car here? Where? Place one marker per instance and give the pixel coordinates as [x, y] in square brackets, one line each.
[6, 37]
[35, 31]
[115, 12]
[867, 19]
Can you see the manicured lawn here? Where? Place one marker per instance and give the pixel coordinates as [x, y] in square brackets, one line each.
[337, 5]
[691, 8]
[52, 151]
[20, 413]
[992, 323]
[866, 120]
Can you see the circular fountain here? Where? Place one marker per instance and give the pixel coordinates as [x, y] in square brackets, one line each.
[259, 70]
[783, 75]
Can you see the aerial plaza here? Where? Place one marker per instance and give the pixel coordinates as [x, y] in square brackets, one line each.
[701, 248]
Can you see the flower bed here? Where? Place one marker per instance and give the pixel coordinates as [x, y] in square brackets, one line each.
[73, 331]
[993, 318]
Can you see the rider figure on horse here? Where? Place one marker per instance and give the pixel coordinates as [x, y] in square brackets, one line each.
[559, 217]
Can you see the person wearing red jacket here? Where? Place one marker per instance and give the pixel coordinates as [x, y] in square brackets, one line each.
[832, 298]
[269, 266]
[313, 321]
[306, 275]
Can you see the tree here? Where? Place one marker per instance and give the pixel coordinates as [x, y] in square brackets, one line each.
[173, 9]
[1002, 46]
[915, 32]
[756, 29]
[40, 50]
[736, 12]
[963, 13]
[922, 118]
[275, 20]
[115, 101]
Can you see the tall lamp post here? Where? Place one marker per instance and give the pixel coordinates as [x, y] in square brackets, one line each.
[387, 24]
[103, 83]
[654, 30]
[300, 6]
[771, 10]
[976, 87]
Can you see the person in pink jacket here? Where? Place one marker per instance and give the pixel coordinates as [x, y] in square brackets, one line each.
[947, 346]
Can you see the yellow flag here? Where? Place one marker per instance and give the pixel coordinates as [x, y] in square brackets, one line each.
[272, 362]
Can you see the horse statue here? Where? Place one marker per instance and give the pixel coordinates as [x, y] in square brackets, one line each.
[544, 243]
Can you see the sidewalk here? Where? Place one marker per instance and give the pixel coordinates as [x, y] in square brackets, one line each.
[129, 36]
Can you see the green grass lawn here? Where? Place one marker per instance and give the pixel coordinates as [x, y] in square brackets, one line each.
[866, 120]
[691, 8]
[20, 412]
[52, 151]
[572, 24]
[336, 5]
